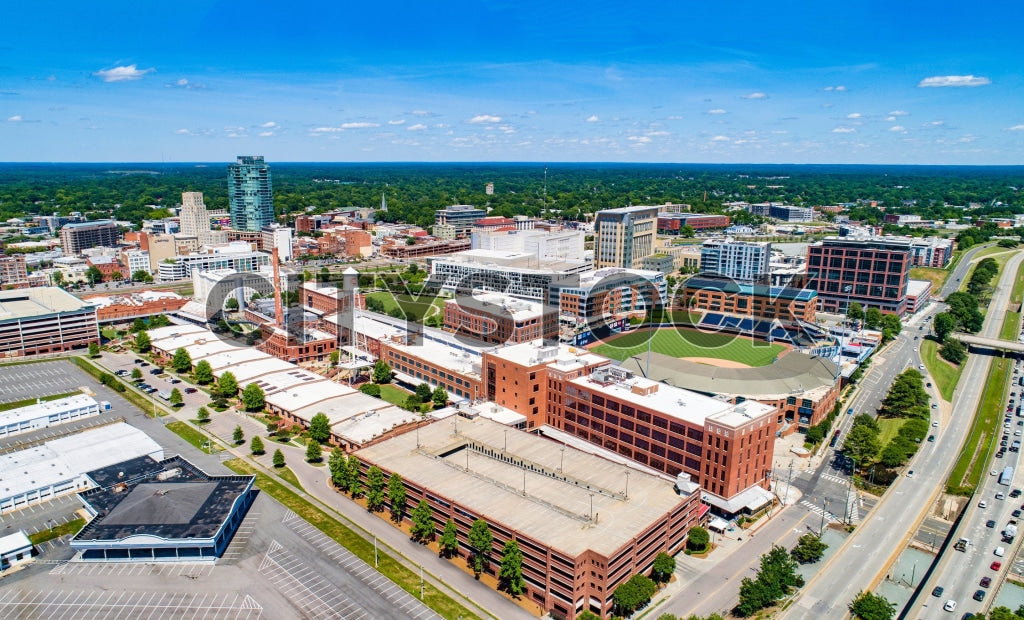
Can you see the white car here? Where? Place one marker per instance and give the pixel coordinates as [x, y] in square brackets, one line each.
[950, 605]
[921, 367]
[982, 504]
[935, 424]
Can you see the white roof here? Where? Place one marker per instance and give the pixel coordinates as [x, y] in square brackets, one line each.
[494, 303]
[501, 415]
[208, 348]
[72, 456]
[159, 333]
[247, 371]
[287, 379]
[367, 426]
[563, 356]
[45, 408]
[296, 399]
[226, 359]
[14, 542]
[916, 287]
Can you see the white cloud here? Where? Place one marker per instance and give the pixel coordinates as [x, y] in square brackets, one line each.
[935, 123]
[359, 125]
[716, 111]
[266, 134]
[484, 118]
[400, 121]
[422, 113]
[15, 119]
[125, 73]
[1014, 128]
[183, 132]
[755, 96]
[674, 117]
[268, 125]
[853, 115]
[183, 83]
[657, 133]
[838, 89]
[898, 129]
[720, 139]
[844, 130]
[899, 113]
[940, 81]
[326, 130]
[640, 139]
[417, 127]
[592, 118]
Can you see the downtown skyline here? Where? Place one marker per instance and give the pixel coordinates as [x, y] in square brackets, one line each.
[936, 83]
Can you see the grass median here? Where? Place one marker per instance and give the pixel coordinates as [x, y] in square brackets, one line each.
[346, 537]
[946, 375]
[194, 436]
[71, 527]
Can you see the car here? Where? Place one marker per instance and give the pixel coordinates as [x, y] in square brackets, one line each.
[910, 474]
[979, 595]
[920, 366]
[937, 592]
[985, 582]
[992, 473]
[999, 552]
[929, 384]
[934, 406]
[190, 390]
[1020, 422]
[950, 605]
[982, 504]
[999, 454]
[931, 438]
[144, 364]
[1003, 443]
[995, 565]
[990, 523]
[174, 381]
[138, 361]
[1000, 495]
[935, 423]
[1016, 514]
[156, 371]
[915, 338]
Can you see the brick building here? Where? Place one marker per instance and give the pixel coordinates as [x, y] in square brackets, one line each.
[398, 248]
[500, 319]
[672, 223]
[756, 300]
[872, 271]
[13, 271]
[47, 319]
[127, 308]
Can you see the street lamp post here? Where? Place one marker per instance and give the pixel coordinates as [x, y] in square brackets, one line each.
[824, 507]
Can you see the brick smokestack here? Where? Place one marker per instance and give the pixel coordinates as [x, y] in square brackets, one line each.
[278, 306]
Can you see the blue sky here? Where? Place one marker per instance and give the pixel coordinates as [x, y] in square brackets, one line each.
[790, 82]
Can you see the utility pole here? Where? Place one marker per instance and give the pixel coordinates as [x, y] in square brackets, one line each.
[821, 527]
[848, 519]
[788, 481]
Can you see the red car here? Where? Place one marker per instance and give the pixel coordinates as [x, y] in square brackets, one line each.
[985, 582]
[996, 565]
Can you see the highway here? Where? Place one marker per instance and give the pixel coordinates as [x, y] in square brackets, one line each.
[959, 574]
[876, 543]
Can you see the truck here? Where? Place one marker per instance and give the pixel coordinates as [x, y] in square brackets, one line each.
[1006, 477]
[961, 545]
[1010, 531]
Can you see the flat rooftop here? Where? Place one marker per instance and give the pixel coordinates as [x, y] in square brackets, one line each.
[245, 372]
[499, 303]
[39, 301]
[169, 500]
[564, 357]
[365, 427]
[559, 489]
[226, 359]
[45, 408]
[295, 377]
[295, 399]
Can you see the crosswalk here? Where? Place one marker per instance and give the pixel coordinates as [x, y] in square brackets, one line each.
[851, 510]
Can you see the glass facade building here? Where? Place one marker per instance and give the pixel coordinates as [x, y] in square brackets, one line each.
[250, 194]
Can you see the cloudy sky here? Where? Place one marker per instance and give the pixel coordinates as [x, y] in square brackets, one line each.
[741, 81]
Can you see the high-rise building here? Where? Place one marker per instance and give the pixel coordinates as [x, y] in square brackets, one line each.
[250, 194]
[194, 218]
[460, 217]
[624, 237]
[872, 271]
[744, 261]
[84, 235]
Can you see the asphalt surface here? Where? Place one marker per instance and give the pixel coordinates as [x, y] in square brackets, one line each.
[877, 542]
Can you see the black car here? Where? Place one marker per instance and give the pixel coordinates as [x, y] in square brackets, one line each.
[1015, 493]
[190, 390]
[985, 582]
[143, 364]
[138, 361]
[173, 381]
[156, 371]
[990, 523]
[937, 592]
[979, 595]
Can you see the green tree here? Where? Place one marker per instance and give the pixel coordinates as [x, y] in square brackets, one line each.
[227, 385]
[136, 373]
[440, 397]
[422, 527]
[633, 594]
[320, 428]
[861, 444]
[943, 325]
[687, 231]
[868, 606]
[381, 372]
[872, 318]
[855, 312]
[775, 578]
[334, 357]
[423, 392]
[231, 305]
[142, 342]
[256, 446]
[182, 361]
[510, 575]
[238, 435]
[138, 325]
[278, 458]
[203, 372]
[1002, 613]
[93, 275]
[396, 495]
[449, 544]
[141, 275]
[252, 397]
[58, 278]
[664, 566]
[697, 539]
[809, 549]
[865, 419]
[176, 398]
[953, 351]
[203, 415]
[314, 453]
[355, 484]
[370, 389]
[94, 349]
[480, 540]
[412, 402]
[337, 464]
[374, 489]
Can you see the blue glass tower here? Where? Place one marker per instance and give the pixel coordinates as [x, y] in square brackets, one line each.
[249, 193]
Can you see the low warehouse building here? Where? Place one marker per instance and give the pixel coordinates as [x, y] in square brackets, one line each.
[48, 413]
[167, 510]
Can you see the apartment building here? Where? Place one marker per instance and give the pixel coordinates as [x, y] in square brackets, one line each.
[500, 319]
[743, 261]
[77, 237]
[872, 271]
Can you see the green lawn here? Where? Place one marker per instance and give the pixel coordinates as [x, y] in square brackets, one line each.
[945, 375]
[415, 308]
[289, 476]
[1017, 294]
[889, 428]
[71, 527]
[692, 343]
[933, 274]
[405, 578]
[192, 435]
[973, 461]
[393, 394]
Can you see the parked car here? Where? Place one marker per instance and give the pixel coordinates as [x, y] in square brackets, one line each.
[173, 381]
[190, 390]
[937, 592]
[950, 605]
[985, 582]
[990, 523]
[979, 595]
[995, 565]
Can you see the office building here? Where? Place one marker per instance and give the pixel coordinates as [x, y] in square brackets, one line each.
[743, 261]
[584, 524]
[137, 260]
[77, 237]
[871, 271]
[673, 223]
[545, 245]
[789, 213]
[277, 237]
[45, 414]
[236, 255]
[13, 271]
[250, 194]
[624, 237]
[45, 319]
[513, 273]
[604, 299]
[194, 218]
[499, 319]
[459, 217]
[931, 251]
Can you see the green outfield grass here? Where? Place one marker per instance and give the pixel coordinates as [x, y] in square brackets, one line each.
[692, 343]
[415, 308]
